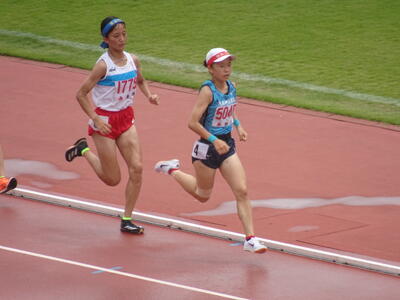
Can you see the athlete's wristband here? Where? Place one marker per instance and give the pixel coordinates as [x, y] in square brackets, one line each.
[211, 138]
[236, 122]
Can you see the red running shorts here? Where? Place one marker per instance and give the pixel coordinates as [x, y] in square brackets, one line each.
[120, 121]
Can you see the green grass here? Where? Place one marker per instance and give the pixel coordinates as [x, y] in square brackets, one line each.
[351, 45]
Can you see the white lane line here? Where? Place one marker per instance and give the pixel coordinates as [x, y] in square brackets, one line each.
[210, 231]
[113, 268]
[107, 270]
[196, 68]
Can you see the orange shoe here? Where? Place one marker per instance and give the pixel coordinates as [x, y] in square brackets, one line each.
[7, 184]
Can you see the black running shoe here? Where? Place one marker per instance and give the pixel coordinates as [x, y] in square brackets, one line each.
[76, 149]
[128, 226]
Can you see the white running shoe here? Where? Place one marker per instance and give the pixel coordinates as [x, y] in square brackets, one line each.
[254, 245]
[165, 166]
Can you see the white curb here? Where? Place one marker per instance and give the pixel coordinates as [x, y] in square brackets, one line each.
[205, 230]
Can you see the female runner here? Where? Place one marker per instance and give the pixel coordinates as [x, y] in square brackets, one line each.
[113, 82]
[212, 119]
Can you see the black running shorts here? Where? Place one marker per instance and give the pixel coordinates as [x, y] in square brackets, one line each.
[205, 151]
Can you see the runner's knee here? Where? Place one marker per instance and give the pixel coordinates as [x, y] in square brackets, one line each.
[203, 194]
[136, 171]
[240, 192]
[112, 181]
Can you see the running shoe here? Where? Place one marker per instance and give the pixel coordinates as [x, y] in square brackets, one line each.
[7, 184]
[165, 166]
[254, 245]
[76, 149]
[128, 226]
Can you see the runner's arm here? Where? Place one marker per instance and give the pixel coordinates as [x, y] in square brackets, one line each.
[142, 83]
[98, 72]
[203, 100]
[240, 130]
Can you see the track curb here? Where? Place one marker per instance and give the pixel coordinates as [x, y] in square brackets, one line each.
[316, 254]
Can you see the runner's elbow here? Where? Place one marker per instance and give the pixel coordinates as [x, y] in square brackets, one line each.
[192, 125]
[79, 96]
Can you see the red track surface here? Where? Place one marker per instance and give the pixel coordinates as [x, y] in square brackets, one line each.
[162, 254]
[291, 154]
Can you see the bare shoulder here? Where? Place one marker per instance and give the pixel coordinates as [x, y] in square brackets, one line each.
[100, 66]
[99, 70]
[135, 58]
[205, 94]
[205, 90]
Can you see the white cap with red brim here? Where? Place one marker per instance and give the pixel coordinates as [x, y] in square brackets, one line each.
[217, 55]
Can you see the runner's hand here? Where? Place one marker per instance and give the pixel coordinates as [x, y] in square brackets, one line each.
[242, 134]
[221, 146]
[102, 126]
[154, 99]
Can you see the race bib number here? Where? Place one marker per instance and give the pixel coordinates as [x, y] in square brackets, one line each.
[200, 150]
[91, 123]
[223, 116]
[125, 89]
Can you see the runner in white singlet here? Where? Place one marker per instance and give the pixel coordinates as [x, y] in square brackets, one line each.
[113, 82]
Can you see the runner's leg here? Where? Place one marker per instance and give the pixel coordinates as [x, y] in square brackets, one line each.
[105, 163]
[202, 183]
[128, 145]
[233, 172]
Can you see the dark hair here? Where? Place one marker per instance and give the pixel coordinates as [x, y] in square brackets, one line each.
[105, 22]
[205, 63]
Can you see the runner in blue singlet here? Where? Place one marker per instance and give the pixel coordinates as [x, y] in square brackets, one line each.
[212, 119]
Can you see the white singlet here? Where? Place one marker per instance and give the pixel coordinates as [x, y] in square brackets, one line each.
[115, 91]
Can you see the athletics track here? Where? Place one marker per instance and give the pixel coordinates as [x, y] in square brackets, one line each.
[319, 181]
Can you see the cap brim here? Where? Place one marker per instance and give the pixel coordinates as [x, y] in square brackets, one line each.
[225, 57]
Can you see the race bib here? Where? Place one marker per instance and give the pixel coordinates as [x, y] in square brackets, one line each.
[223, 116]
[200, 150]
[125, 89]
